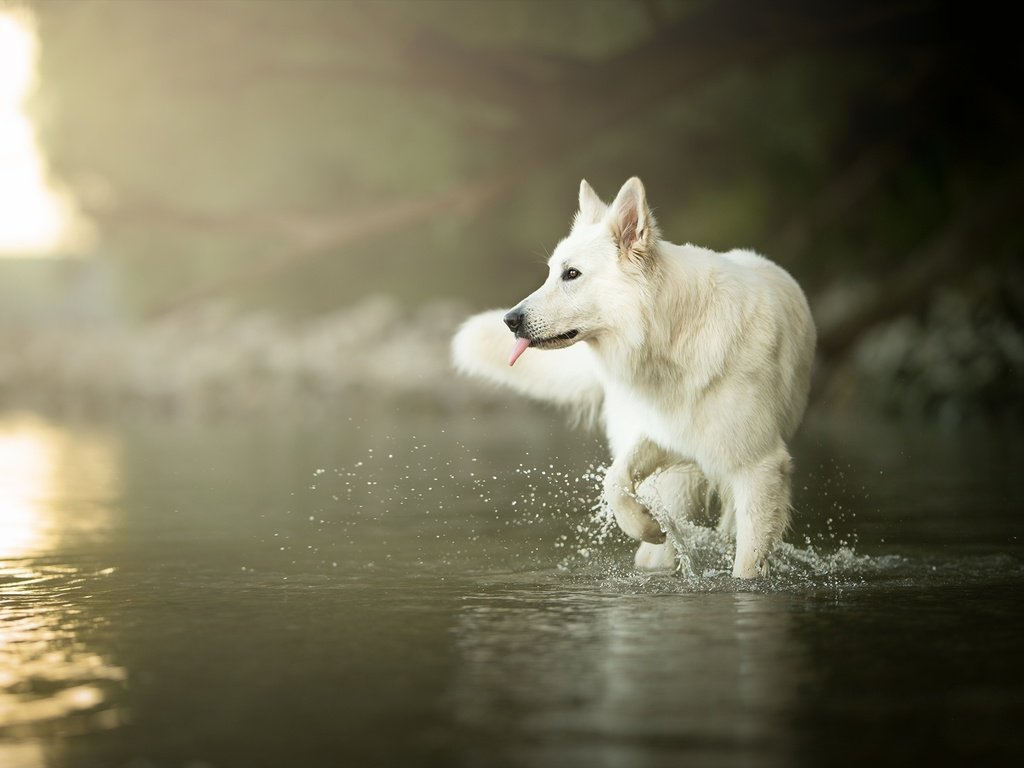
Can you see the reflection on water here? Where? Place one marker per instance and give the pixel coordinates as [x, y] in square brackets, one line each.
[599, 678]
[46, 672]
[27, 467]
[55, 485]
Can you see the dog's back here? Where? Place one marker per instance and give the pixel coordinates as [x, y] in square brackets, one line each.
[778, 332]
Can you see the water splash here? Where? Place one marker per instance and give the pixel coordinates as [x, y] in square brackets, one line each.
[446, 510]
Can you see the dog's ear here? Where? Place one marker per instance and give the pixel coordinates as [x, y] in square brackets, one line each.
[631, 221]
[592, 208]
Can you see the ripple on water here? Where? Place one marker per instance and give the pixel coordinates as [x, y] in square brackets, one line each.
[48, 672]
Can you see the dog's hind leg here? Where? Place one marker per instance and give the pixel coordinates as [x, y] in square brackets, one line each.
[678, 494]
[761, 496]
[620, 483]
[727, 520]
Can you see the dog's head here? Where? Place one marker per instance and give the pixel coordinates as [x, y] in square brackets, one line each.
[596, 275]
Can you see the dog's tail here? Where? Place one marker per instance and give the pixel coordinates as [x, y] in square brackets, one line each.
[565, 377]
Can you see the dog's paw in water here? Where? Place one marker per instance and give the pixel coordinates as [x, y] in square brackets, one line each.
[752, 565]
[656, 557]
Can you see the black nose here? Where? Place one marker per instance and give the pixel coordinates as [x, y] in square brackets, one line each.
[513, 320]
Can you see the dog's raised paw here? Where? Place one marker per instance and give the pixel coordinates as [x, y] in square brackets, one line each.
[636, 521]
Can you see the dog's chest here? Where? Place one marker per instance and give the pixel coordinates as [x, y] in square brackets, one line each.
[631, 413]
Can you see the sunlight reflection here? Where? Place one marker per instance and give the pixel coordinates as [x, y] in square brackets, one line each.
[47, 673]
[26, 472]
[40, 464]
[54, 483]
[35, 219]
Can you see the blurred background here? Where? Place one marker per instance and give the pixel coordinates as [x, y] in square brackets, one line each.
[249, 516]
[218, 206]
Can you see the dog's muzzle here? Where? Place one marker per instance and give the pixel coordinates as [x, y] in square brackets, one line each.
[514, 320]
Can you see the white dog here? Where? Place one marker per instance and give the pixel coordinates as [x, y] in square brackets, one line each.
[697, 362]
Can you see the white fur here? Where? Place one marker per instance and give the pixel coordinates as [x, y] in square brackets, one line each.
[698, 363]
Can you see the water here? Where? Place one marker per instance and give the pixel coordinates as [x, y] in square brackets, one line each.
[406, 588]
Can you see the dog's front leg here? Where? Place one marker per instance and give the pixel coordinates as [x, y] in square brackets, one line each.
[626, 472]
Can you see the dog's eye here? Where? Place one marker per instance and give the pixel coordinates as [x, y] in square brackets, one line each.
[570, 274]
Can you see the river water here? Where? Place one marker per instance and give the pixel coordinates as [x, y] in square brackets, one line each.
[403, 587]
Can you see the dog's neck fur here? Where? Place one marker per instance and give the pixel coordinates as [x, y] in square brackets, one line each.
[669, 319]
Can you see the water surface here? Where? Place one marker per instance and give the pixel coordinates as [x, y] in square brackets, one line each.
[408, 588]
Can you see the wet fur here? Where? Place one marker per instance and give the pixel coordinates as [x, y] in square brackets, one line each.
[698, 364]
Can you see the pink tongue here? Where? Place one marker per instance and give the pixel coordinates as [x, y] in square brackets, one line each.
[517, 350]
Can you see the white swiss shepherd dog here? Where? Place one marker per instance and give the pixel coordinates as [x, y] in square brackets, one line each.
[697, 362]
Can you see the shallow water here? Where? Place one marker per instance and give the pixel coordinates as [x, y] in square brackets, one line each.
[402, 588]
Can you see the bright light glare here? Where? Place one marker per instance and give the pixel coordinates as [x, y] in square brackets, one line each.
[34, 219]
